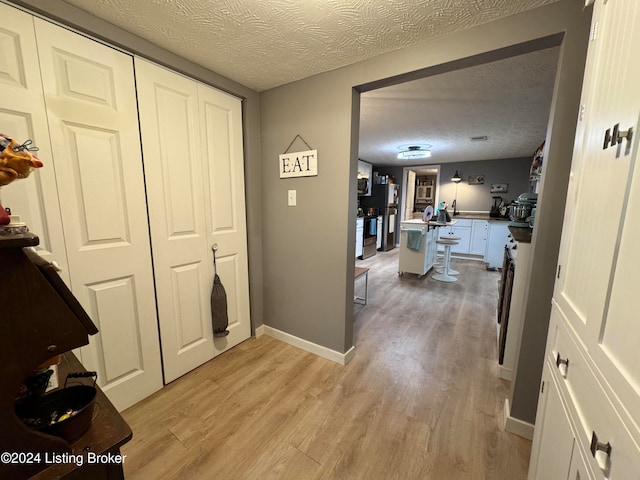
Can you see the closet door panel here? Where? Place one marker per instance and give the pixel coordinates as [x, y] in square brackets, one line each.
[23, 116]
[175, 192]
[221, 134]
[92, 112]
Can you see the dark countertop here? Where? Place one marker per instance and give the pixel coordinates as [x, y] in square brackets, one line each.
[480, 216]
[521, 234]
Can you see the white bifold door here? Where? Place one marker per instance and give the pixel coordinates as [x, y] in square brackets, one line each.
[93, 123]
[192, 143]
[75, 98]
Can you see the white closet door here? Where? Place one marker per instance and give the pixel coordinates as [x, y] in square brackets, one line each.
[175, 192]
[221, 139]
[92, 112]
[23, 116]
[192, 143]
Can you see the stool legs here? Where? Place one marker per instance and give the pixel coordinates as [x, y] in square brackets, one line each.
[445, 276]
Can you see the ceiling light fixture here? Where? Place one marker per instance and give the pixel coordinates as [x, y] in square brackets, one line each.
[413, 152]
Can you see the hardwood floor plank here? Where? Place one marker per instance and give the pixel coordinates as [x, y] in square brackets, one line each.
[420, 400]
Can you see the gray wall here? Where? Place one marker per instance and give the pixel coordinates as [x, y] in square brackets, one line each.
[302, 258]
[76, 18]
[309, 249]
[514, 172]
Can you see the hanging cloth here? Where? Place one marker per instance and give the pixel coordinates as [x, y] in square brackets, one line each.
[219, 316]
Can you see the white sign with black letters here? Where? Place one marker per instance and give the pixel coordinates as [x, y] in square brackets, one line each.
[299, 164]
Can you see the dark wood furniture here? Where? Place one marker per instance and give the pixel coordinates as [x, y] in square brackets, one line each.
[40, 318]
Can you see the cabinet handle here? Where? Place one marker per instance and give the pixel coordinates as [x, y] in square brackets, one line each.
[616, 137]
[596, 445]
[607, 139]
[562, 361]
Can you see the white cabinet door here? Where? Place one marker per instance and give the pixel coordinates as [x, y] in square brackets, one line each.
[598, 257]
[23, 116]
[465, 239]
[553, 441]
[93, 122]
[479, 235]
[579, 469]
[592, 226]
[193, 165]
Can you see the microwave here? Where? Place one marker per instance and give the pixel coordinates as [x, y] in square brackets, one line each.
[363, 186]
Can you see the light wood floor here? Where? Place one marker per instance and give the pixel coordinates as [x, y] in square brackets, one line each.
[420, 400]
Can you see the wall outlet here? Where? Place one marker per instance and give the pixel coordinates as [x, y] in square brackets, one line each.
[291, 198]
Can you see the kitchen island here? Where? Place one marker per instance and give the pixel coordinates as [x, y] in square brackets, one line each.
[418, 246]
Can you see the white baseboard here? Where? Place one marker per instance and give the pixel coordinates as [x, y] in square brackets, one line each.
[505, 373]
[341, 358]
[513, 425]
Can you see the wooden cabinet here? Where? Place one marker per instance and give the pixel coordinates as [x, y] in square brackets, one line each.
[594, 326]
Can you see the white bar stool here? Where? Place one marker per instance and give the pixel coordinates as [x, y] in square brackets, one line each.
[440, 268]
[445, 275]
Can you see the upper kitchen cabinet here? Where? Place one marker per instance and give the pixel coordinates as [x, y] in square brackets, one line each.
[365, 178]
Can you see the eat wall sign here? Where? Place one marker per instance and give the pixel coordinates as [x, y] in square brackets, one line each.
[299, 164]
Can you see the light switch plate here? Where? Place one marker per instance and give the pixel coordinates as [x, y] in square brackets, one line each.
[291, 198]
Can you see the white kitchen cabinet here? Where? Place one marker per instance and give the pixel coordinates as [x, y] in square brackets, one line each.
[594, 321]
[462, 229]
[498, 238]
[473, 235]
[479, 236]
[554, 462]
[359, 236]
[418, 261]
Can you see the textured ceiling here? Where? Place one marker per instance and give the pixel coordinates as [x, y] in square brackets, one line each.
[508, 101]
[266, 43]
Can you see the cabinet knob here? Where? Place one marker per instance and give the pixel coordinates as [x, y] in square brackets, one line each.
[599, 446]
